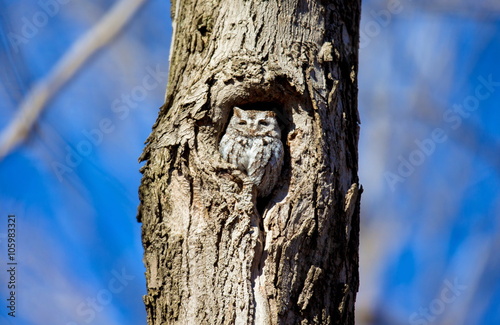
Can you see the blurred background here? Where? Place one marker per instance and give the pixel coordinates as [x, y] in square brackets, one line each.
[96, 71]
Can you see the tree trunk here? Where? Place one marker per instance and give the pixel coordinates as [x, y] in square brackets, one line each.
[216, 253]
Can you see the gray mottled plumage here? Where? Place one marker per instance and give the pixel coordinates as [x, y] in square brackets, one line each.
[252, 143]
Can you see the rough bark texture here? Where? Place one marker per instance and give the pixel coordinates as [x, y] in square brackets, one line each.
[216, 254]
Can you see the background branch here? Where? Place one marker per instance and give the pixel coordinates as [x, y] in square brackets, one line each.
[37, 98]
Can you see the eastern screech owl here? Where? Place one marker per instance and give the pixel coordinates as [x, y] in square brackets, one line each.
[252, 143]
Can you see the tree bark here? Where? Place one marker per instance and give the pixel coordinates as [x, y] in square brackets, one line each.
[214, 252]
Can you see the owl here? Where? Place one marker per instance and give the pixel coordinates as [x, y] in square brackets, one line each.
[252, 143]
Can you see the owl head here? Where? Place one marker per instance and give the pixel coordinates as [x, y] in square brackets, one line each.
[255, 123]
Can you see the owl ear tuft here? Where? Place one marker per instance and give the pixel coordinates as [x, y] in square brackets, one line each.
[237, 111]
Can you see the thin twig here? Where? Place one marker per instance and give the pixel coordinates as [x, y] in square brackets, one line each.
[36, 99]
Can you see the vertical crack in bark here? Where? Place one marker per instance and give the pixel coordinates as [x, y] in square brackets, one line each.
[261, 307]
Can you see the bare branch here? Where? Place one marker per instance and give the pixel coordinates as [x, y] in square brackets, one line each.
[36, 99]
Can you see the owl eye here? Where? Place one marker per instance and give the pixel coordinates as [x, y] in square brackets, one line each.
[263, 123]
[242, 122]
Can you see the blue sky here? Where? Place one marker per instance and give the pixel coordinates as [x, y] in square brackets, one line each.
[429, 161]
